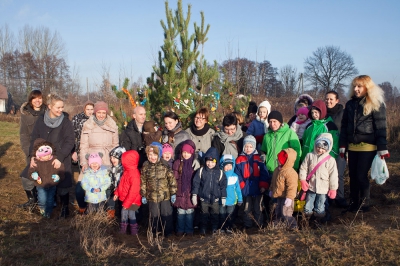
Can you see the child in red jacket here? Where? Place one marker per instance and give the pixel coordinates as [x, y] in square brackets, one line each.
[128, 191]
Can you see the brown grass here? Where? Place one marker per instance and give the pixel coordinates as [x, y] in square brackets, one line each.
[349, 239]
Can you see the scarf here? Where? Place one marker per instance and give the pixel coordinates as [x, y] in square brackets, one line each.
[98, 122]
[115, 174]
[334, 110]
[230, 141]
[187, 174]
[171, 133]
[53, 122]
[34, 112]
[200, 132]
[265, 122]
[297, 121]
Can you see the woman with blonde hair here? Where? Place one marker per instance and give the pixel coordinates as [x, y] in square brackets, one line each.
[363, 135]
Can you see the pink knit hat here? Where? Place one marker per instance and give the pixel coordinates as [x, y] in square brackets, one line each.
[167, 148]
[187, 148]
[95, 158]
[303, 111]
[100, 106]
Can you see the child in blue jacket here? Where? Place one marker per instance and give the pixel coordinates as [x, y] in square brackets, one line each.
[254, 179]
[233, 193]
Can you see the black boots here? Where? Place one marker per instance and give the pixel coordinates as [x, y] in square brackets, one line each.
[32, 199]
[64, 206]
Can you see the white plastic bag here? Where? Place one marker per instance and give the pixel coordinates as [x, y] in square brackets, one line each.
[379, 170]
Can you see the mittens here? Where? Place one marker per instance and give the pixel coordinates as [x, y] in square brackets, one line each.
[304, 185]
[144, 200]
[288, 202]
[55, 178]
[173, 198]
[332, 194]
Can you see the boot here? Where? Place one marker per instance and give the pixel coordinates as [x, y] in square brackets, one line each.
[123, 227]
[64, 206]
[32, 199]
[111, 214]
[134, 229]
[365, 200]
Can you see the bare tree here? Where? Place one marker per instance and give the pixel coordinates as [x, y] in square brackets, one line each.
[289, 79]
[328, 68]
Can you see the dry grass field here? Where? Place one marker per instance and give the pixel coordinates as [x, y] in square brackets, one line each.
[26, 238]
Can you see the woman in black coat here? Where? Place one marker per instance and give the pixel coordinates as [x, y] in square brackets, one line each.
[55, 127]
[363, 135]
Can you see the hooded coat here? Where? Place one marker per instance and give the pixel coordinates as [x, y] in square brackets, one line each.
[184, 180]
[128, 190]
[326, 176]
[302, 97]
[211, 185]
[233, 191]
[285, 179]
[316, 127]
[93, 180]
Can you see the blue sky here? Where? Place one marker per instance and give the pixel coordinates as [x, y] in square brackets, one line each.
[125, 36]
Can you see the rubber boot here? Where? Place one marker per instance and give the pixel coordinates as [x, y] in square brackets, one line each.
[32, 199]
[64, 206]
[111, 214]
[122, 228]
[134, 229]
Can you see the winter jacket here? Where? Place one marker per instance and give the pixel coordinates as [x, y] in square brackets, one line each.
[157, 182]
[62, 138]
[128, 190]
[78, 121]
[336, 113]
[233, 191]
[94, 180]
[27, 122]
[45, 171]
[316, 127]
[357, 127]
[131, 139]
[300, 128]
[274, 142]
[203, 142]
[210, 186]
[180, 135]
[98, 139]
[252, 173]
[284, 180]
[184, 185]
[326, 176]
[256, 128]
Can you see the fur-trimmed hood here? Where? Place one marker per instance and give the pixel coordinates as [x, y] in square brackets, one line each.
[305, 97]
[27, 110]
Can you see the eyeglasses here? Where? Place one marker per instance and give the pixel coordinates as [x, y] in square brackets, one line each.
[199, 118]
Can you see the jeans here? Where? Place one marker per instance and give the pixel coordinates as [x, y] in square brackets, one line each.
[315, 203]
[185, 221]
[125, 214]
[226, 216]
[80, 195]
[46, 199]
[209, 210]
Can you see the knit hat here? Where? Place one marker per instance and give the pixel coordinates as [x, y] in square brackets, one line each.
[282, 157]
[167, 148]
[227, 159]
[250, 140]
[323, 143]
[44, 150]
[265, 104]
[100, 106]
[252, 108]
[94, 158]
[148, 126]
[187, 148]
[156, 148]
[303, 111]
[117, 152]
[275, 115]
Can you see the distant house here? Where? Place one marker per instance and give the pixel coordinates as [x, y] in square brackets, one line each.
[3, 99]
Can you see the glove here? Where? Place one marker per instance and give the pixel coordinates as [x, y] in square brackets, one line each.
[194, 200]
[35, 176]
[144, 200]
[196, 164]
[223, 201]
[262, 157]
[55, 178]
[173, 198]
[239, 204]
[288, 202]
[332, 194]
[304, 185]
[342, 151]
[384, 154]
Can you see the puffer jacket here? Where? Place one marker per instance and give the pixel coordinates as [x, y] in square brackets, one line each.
[158, 182]
[326, 176]
[98, 139]
[357, 127]
[252, 173]
[274, 142]
[128, 190]
[210, 186]
[233, 191]
[27, 122]
[93, 180]
[284, 180]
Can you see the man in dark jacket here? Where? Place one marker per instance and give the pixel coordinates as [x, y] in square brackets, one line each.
[131, 137]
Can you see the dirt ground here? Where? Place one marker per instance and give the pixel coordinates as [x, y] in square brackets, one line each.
[26, 238]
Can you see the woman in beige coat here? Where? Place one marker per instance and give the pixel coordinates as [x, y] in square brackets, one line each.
[99, 134]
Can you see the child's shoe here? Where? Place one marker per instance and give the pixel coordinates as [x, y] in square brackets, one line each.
[134, 229]
[123, 227]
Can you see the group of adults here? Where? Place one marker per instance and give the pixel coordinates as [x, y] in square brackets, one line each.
[362, 126]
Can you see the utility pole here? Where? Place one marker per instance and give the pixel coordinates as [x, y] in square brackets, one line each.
[87, 88]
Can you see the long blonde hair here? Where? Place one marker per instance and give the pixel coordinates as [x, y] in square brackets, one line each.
[374, 97]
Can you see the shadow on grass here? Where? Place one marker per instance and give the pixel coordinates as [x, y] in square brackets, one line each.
[4, 148]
